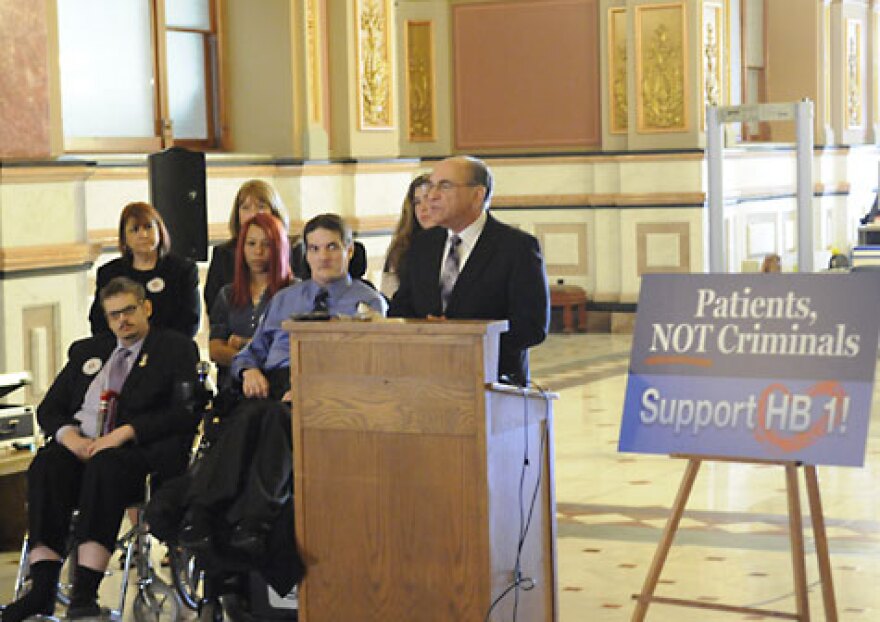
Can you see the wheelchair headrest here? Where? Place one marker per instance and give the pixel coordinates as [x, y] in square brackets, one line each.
[357, 267]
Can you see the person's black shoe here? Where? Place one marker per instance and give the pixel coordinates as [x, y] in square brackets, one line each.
[23, 609]
[85, 610]
[249, 539]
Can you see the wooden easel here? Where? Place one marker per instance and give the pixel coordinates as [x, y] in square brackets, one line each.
[646, 597]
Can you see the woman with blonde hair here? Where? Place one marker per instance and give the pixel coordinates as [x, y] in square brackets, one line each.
[172, 282]
[253, 197]
[415, 215]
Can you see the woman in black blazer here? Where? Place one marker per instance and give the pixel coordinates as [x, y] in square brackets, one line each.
[172, 282]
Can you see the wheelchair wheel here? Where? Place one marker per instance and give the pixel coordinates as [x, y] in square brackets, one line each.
[186, 576]
[156, 602]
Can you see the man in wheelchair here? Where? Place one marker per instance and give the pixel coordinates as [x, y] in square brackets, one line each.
[236, 499]
[113, 415]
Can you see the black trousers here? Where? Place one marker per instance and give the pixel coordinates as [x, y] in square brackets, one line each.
[102, 488]
[246, 476]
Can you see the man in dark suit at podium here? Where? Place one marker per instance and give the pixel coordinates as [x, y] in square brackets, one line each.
[474, 267]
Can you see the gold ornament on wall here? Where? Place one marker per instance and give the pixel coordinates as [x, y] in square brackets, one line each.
[421, 104]
[711, 77]
[313, 49]
[715, 76]
[374, 64]
[660, 68]
[617, 70]
[853, 73]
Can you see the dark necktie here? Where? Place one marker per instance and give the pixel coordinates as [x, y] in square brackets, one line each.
[449, 274]
[115, 379]
[321, 301]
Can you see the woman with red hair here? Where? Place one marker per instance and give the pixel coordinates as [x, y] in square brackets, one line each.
[262, 267]
[172, 282]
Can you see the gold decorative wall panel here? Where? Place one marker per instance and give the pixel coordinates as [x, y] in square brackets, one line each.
[617, 76]
[713, 62]
[853, 79]
[313, 49]
[421, 104]
[661, 68]
[373, 25]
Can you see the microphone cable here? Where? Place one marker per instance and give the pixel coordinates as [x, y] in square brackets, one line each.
[525, 520]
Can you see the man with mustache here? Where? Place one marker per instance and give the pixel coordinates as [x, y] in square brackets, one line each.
[475, 267]
[112, 418]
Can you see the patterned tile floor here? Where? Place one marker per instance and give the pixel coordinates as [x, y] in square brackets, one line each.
[733, 544]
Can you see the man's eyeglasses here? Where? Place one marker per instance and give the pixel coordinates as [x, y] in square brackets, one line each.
[447, 186]
[123, 312]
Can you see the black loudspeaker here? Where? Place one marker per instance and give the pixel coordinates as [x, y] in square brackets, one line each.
[177, 191]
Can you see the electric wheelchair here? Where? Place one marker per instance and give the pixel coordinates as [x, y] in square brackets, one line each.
[218, 583]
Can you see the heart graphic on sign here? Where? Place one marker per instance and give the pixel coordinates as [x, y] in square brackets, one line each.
[799, 440]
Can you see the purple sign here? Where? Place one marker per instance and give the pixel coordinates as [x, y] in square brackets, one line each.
[771, 366]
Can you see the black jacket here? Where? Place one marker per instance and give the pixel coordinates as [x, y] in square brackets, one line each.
[172, 287]
[504, 279]
[163, 426]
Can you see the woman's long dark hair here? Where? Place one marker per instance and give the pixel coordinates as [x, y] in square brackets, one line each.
[407, 226]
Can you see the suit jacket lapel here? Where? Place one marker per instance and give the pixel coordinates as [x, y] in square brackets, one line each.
[434, 247]
[138, 367]
[103, 349]
[479, 258]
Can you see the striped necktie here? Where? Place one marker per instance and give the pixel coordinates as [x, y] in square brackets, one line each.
[449, 274]
[115, 379]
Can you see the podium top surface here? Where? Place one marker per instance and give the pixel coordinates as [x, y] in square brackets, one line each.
[399, 326]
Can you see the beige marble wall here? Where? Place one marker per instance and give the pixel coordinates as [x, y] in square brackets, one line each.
[43, 256]
[603, 220]
[259, 77]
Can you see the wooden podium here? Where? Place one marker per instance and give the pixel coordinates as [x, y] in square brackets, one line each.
[407, 469]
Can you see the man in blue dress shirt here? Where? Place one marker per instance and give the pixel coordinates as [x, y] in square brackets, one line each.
[263, 365]
[244, 483]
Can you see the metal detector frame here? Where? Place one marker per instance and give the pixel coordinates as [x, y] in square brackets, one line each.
[802, 114]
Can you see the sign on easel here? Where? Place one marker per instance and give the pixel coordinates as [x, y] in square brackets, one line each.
[757, 366]
[774, 369]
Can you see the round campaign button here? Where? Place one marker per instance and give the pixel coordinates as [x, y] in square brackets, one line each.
[91, 366]
[156, 285]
